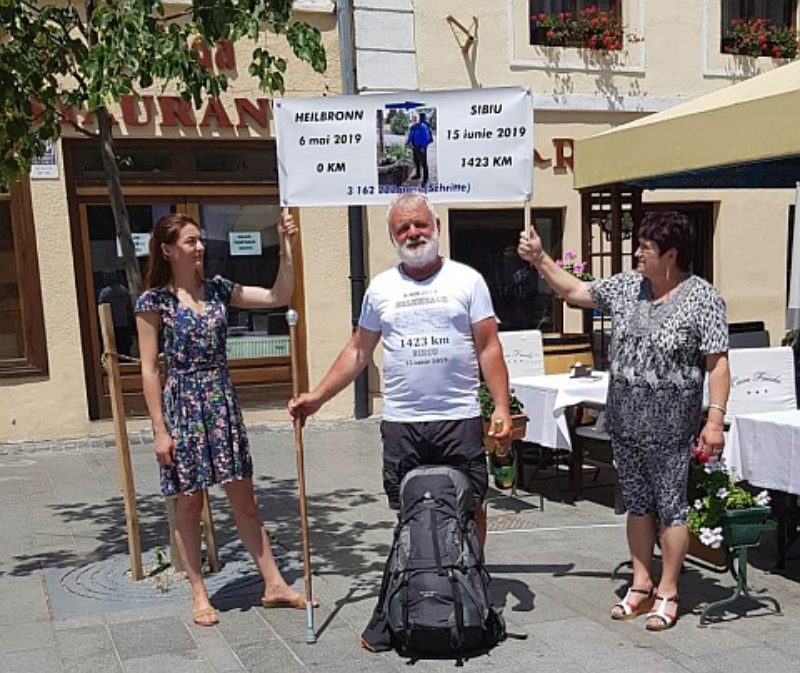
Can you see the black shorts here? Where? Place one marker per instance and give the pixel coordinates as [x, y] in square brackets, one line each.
[456, 443]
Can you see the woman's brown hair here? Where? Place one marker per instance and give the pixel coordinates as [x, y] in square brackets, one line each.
[166, 230]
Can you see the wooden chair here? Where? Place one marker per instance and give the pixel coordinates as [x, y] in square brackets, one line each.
[523, 353]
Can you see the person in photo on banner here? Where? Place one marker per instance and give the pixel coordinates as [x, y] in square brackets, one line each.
[670, 330]
[199, 434]
[437, 325]
[420, 135]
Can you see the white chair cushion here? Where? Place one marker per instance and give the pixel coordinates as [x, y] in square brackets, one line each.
[523, 352]
[762, 379]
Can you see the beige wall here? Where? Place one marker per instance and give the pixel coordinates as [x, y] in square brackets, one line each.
[750, 248]
[55, 406]
[678, 55]
[577, 95]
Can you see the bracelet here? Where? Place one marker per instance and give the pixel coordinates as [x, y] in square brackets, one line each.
[718, 407]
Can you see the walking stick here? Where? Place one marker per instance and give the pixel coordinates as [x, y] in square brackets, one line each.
[291, 318]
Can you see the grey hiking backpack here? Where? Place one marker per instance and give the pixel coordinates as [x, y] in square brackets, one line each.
[434, 598]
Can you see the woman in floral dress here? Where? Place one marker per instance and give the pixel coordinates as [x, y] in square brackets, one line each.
[199, 434]
[669, 331]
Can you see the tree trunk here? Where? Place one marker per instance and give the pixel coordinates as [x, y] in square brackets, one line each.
[120, 212]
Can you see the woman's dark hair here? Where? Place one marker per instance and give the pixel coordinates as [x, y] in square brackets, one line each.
[669, 229]
[166, 230]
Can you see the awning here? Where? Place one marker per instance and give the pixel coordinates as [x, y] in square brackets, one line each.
[745, 135]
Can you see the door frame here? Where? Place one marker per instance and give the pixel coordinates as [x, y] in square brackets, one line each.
[258, 380]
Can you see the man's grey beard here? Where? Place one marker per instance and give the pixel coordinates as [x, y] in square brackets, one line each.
[420, 255]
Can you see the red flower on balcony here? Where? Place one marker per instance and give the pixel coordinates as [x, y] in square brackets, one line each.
[591, 28]
[758, 37]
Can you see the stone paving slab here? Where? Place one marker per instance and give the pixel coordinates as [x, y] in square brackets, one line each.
[61, 518]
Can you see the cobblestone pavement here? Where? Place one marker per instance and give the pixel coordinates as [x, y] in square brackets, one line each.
[67, 605]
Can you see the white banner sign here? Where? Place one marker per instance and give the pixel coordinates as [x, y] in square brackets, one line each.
[244, 243]
[456, 146]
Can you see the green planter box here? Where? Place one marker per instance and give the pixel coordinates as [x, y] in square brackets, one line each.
[743, 527]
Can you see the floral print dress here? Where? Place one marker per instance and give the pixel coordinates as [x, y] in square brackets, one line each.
[201, 410]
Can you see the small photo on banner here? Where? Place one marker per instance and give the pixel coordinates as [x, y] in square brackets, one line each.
[406, 145]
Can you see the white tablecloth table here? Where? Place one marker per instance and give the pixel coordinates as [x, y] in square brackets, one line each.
[545, 399]
[764, 449]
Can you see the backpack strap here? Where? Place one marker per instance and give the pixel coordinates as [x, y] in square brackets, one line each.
[457, 632]
[386, 573]
[406, 629]
[434, 527]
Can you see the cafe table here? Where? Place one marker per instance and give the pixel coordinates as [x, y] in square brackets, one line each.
[764, 450]
[546, 401]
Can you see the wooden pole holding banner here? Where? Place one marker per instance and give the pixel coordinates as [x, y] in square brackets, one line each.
[292, 319]
[111, 365]
[171, 504]
[526, 205]
[210, 535]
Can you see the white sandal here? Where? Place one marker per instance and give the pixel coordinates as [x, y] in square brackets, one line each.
[632, 611]
[660, 613]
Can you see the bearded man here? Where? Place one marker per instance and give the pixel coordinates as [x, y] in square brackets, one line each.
[435, 320]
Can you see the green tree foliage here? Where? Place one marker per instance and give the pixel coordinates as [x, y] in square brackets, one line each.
[398, 122]
[88, 55]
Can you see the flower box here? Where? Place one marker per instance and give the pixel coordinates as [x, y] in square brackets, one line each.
[394, 173]
[716, 557]
[743, 527]
[758, 37]
[589, 28]
[721, 512]
[740, 528]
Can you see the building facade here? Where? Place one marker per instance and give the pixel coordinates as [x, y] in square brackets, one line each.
[60, 255]
[59, 251]
[665, 54]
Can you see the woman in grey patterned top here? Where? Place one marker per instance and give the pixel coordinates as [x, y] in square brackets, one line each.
[669, 330]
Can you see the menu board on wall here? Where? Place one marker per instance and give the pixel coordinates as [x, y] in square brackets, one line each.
[141, 243]
[244, 243]
[46, 166]
[455, 146]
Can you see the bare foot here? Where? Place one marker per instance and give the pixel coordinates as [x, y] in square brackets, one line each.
[285, 597]
[203, 613]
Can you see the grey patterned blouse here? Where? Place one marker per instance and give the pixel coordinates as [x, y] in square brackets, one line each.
[657, 358]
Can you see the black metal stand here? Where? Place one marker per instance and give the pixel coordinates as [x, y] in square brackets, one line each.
[737, 566]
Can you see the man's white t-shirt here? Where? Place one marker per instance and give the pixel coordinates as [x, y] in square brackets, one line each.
[430, 366]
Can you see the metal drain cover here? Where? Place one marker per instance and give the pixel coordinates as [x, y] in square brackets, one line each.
[510, 522]
[105, 586]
